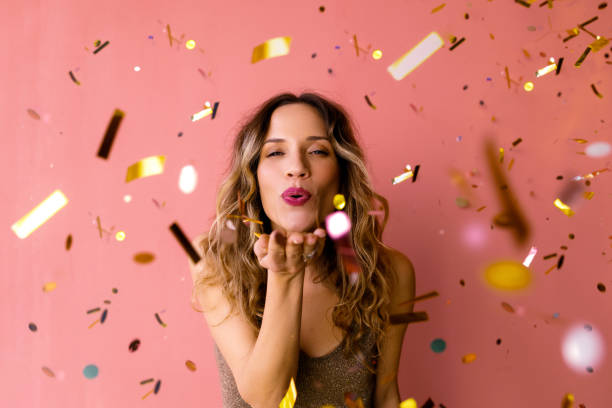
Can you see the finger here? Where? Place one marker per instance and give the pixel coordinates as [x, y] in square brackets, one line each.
[276, 246]
[310, 244]
[294, 250]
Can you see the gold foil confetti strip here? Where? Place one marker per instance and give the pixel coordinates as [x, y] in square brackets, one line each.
[169, 35]
[426, 296]
[468, 358]
[356, 45]
[403, 176]
[481, 208]
[201, 114]
[588, 194]
[68, 242]
[40, 214]
[33, 114]
[582, 57]
[599, 43]
[290, 397]
[144, 257]
[436, 9]
[190, 365]
[93, 324]
[591, 175]
[511, 164]
[412, 317]
[546, 70]
[582, 141]
[147, 394]
[550, 269]
[274, 47]
[455, 45]
[49, 286]
[111, 132]
[149, 166]
[73, 78]
[511, 211]
[159, 320]
[501, 154]
[370, 102]
[100, 47]
[416, 56]
[245, 218]
[523, 3]
[596, 91]
[568, 401]
[507, 76]
[184, 242]
[563, 207]
[48, 372]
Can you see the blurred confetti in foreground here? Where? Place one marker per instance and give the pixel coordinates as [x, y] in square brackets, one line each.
[583, 348]
[188, 179]
[149, 166]
[274, 47]
[40, 214]
[289, 399]
[416, 56]
[507, 275]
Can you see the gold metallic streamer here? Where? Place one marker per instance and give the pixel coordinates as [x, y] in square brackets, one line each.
[290, 397]
[40, 214]
[149, 166]
[274, 47]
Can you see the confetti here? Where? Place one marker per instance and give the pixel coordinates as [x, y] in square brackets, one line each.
[507, 307]
[290, 396]
[547, 69]
[184, 242]
[426, 296]
[455, 45]
[408, 317]
[377, 54]
[100, 47]
[49, 286]
[339, 201]
[507, 275]
[169, 35]
[190, 365]
[563, 207]
[144, 257]
[90, 371]
[600, 287]
[120, 236]
[416, 171]
[68, 242]
[274, 47]
[33, 114]
[104, 314]
[32, 327]
[507, 76]
[596, 91]
[559, 66]
[532, 253]
[582, 57]
[111, 132]
[159, 320]
[157, 385]
[73, 78]
[214, 112]
[48, 372]
[468, 358]
[409, 403]
[97, 309]
[201, 114]
[190, 45]
[438, 8]
[40, 214]
[528, 86]
[134, 345]
[416, 56]
[148, 380]
[149, 166]
[429, 404]
[438, 345]
[369, 102]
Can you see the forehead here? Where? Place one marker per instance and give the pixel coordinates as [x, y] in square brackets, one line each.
[296, 120]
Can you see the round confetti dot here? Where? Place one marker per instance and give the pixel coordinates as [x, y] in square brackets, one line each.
[190, 365]
[459, 138]
[127, 198]
[531, 28]
[528, 86]
[48, 372]
[339, 201]
[498, 341]
[32, 327]
[322, 9]
[465, 87]
[329, 70]
[409, 403]
[377, 54]
[134, 345]
[481, 102]
[555, 315]
[571, 236]
[438, 345]
[601, 287]
[137, 68]
[508, 275]
[462, 282]
[190, 44]
[90, 371]
[115, 290]
[180, 134]
[120, 236]
[468, 358]
[589, 369]
[314, 54]
[598, 149]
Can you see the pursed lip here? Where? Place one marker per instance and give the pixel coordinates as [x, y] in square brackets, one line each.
[296, 191]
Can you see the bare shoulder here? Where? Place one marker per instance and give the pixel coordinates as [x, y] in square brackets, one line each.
[404, 270]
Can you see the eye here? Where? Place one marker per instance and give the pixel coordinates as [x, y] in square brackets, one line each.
[314, 151]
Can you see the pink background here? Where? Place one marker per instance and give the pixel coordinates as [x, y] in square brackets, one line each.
[43, 41]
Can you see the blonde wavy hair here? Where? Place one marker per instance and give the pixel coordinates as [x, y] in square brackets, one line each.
[232, 263]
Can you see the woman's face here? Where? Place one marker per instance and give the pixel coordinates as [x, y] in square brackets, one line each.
[289, 158]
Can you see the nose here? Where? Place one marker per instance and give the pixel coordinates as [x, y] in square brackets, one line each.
[297, 168]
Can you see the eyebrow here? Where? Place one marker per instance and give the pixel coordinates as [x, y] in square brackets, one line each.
[308, 138]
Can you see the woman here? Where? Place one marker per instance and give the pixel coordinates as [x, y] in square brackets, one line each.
[299, 316]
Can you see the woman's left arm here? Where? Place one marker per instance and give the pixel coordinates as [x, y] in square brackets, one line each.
[387, 390]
